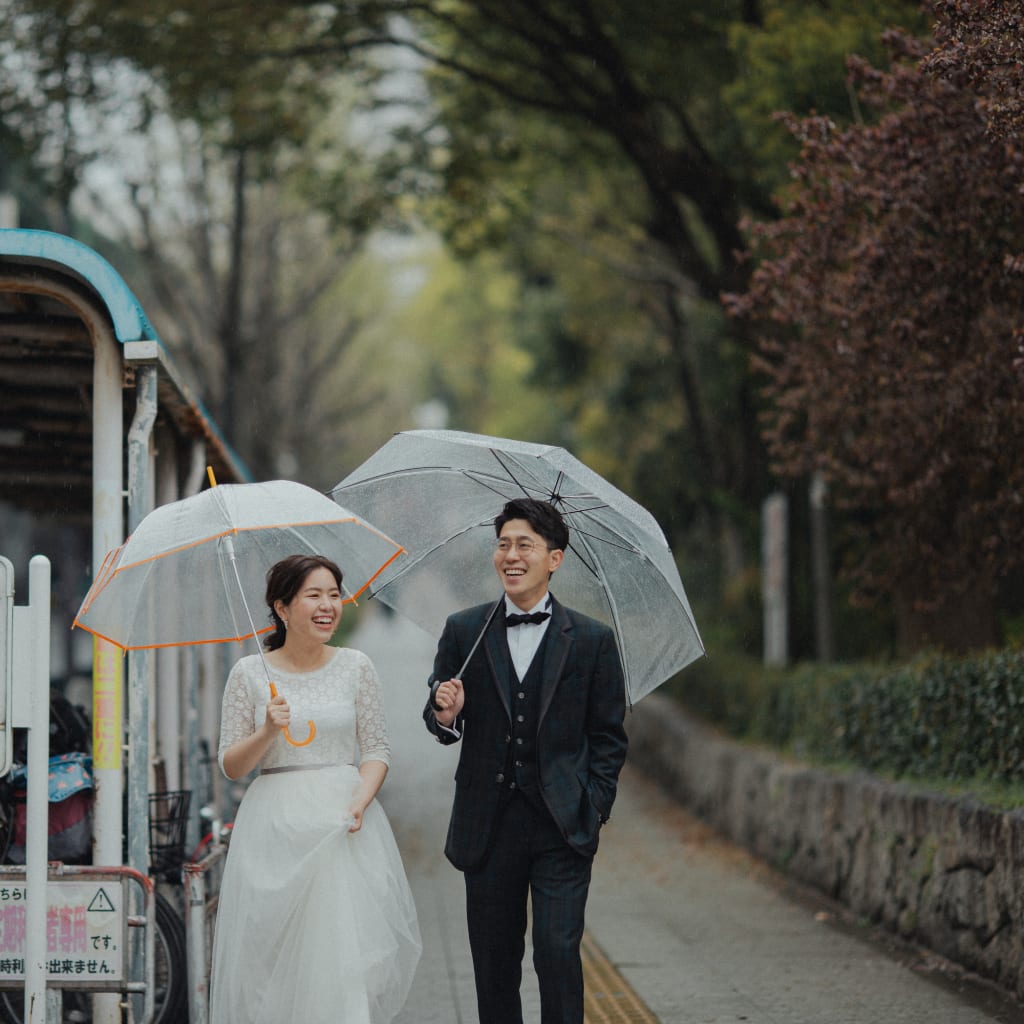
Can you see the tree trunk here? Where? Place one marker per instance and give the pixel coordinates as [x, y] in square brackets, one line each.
[230, 330]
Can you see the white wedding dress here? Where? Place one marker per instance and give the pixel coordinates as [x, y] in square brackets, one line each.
[314, 923]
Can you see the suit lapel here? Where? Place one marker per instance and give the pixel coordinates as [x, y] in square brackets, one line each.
[499, 660]
[559, 643]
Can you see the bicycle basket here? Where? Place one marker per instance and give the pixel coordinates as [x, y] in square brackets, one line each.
[168, 818]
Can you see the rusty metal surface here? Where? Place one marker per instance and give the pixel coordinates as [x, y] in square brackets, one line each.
[50, 318]
[46, 359]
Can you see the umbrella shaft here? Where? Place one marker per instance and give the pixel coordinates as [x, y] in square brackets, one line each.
[229, 546]
[476, 643]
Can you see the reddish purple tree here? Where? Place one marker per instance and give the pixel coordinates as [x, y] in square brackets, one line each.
[887, 298]
[981, 43]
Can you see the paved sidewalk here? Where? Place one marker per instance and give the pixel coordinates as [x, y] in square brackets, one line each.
[699, 930]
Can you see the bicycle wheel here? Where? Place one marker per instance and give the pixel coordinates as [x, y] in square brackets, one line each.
[170, 967]
[170, 979]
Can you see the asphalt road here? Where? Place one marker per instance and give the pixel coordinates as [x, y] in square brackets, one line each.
[699, 930]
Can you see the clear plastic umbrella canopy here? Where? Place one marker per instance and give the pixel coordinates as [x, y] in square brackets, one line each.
[439, 490]
[194, 571]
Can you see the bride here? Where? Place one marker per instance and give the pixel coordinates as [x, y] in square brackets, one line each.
[316, 922]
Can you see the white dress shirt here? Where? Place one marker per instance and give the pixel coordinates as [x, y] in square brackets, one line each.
[523, 640]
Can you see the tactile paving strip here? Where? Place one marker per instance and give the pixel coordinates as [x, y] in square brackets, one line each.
[607, 996]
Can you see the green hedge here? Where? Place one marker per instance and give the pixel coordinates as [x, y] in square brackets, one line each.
[937, 717]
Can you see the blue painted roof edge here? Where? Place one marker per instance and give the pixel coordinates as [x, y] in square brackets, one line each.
[130, 322]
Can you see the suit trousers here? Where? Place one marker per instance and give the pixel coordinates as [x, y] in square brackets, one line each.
[528, 858]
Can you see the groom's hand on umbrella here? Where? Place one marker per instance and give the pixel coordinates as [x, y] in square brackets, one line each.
[449, 699]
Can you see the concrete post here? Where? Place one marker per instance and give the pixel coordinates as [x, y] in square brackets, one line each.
[775, 577]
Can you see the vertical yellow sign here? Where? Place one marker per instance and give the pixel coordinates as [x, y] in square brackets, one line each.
[106, 704]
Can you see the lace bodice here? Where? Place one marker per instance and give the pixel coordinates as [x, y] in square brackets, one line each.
[343, 698]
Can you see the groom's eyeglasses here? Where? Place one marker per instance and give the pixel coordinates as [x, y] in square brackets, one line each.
[523, 547]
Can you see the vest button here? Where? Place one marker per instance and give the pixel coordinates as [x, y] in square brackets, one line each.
[519, 718]
[521, 695]
[500, 777]
[519, 741]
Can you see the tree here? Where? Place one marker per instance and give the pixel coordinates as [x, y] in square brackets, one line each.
[794, 60]
[53, 98]
[981, 43]
[571, 137]
[887, 313]
[634, 93]
[600, 152]
[227, 205]
[245, 280]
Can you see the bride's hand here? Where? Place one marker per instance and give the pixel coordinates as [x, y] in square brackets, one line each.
[278, 713]
[355, 817]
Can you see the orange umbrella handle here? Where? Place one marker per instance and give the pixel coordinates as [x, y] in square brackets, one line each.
[288, 736]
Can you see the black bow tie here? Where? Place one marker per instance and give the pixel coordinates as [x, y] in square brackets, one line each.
[534, 618]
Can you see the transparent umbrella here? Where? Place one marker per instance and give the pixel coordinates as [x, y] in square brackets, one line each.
[439, 490]
[192, 570]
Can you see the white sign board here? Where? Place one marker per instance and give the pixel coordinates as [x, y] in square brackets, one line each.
[84, 932]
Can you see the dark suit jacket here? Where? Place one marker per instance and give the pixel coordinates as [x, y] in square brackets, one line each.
[581, 741]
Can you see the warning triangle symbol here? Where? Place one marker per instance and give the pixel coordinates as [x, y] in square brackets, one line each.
[101, 901]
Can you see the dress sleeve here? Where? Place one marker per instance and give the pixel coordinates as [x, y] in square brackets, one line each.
[236, 714]
[371, 726]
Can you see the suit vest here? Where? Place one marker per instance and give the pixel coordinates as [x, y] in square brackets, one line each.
[524, 702]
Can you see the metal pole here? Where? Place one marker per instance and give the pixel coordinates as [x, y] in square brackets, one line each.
[191, 775]
[195, 931]
[193, 720]
[37, 678]
[108, 696]
[108, 532]
[140, 663]
[139, 503]
[212, 672]
[167, 696]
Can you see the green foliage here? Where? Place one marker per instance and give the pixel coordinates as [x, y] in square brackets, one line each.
[938, 717]
[795, 62]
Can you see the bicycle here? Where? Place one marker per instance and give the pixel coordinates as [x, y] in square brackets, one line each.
[170, 971]
[69, 739]
[70, 732]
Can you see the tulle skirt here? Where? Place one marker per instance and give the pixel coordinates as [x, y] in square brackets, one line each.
[314, 924]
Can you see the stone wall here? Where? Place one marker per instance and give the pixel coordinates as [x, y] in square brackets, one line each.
[945, 873]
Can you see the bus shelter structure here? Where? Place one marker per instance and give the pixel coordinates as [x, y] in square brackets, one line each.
[96, 429]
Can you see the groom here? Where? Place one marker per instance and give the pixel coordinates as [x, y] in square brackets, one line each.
[539, 711]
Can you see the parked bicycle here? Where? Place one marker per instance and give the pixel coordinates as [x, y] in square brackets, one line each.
[169, 811]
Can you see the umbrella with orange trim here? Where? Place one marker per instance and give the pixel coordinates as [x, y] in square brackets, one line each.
[192, 569]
